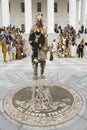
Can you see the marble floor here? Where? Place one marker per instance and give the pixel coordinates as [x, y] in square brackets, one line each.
[71, 72]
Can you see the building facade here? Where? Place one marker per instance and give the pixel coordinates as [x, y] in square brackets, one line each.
[22, 13]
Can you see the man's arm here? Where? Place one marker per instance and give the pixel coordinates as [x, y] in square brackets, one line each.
[31, 37]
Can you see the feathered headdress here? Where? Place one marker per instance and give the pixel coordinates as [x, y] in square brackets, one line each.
[39, 16]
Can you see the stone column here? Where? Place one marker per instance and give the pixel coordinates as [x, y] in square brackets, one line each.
[83, 12]
[78, 11]
[72, 13]
[28, 15]
[0, 14]
[5, 13]
[50, 15]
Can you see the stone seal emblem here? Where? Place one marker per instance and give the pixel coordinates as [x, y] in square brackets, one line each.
[43, 104]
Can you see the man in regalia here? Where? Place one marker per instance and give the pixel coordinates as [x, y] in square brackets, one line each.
[39, 43]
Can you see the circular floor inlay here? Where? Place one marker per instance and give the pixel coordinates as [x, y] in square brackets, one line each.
[43, 104]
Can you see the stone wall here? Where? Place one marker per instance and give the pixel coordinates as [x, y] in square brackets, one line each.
[17, 17]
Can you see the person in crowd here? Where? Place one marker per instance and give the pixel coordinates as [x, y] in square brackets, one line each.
[67, 41]
[82, 28]
[51, 52]
[73, 50]
[19, 51]
[83, 42]
[63, 51]
[54, 46]
[4, 47]
[14, 51]
[10, 51]
[85, 30]
[60, 51]
[80, 49]
[85, 50]
[64, 40]
[53, 49]
[78, 34]
[39, 43]
[67, 52]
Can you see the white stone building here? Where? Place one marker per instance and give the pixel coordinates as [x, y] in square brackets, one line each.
[56, 12]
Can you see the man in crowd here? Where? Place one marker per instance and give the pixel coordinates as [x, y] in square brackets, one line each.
[81, 49]
[39, 43]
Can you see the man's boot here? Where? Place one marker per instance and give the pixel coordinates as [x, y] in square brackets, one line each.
[42, 73]
[35, 67]
[42, 69]
[35, 77]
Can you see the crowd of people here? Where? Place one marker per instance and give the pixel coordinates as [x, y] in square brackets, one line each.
[81, 29]
[12, 43]
[67, 45]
